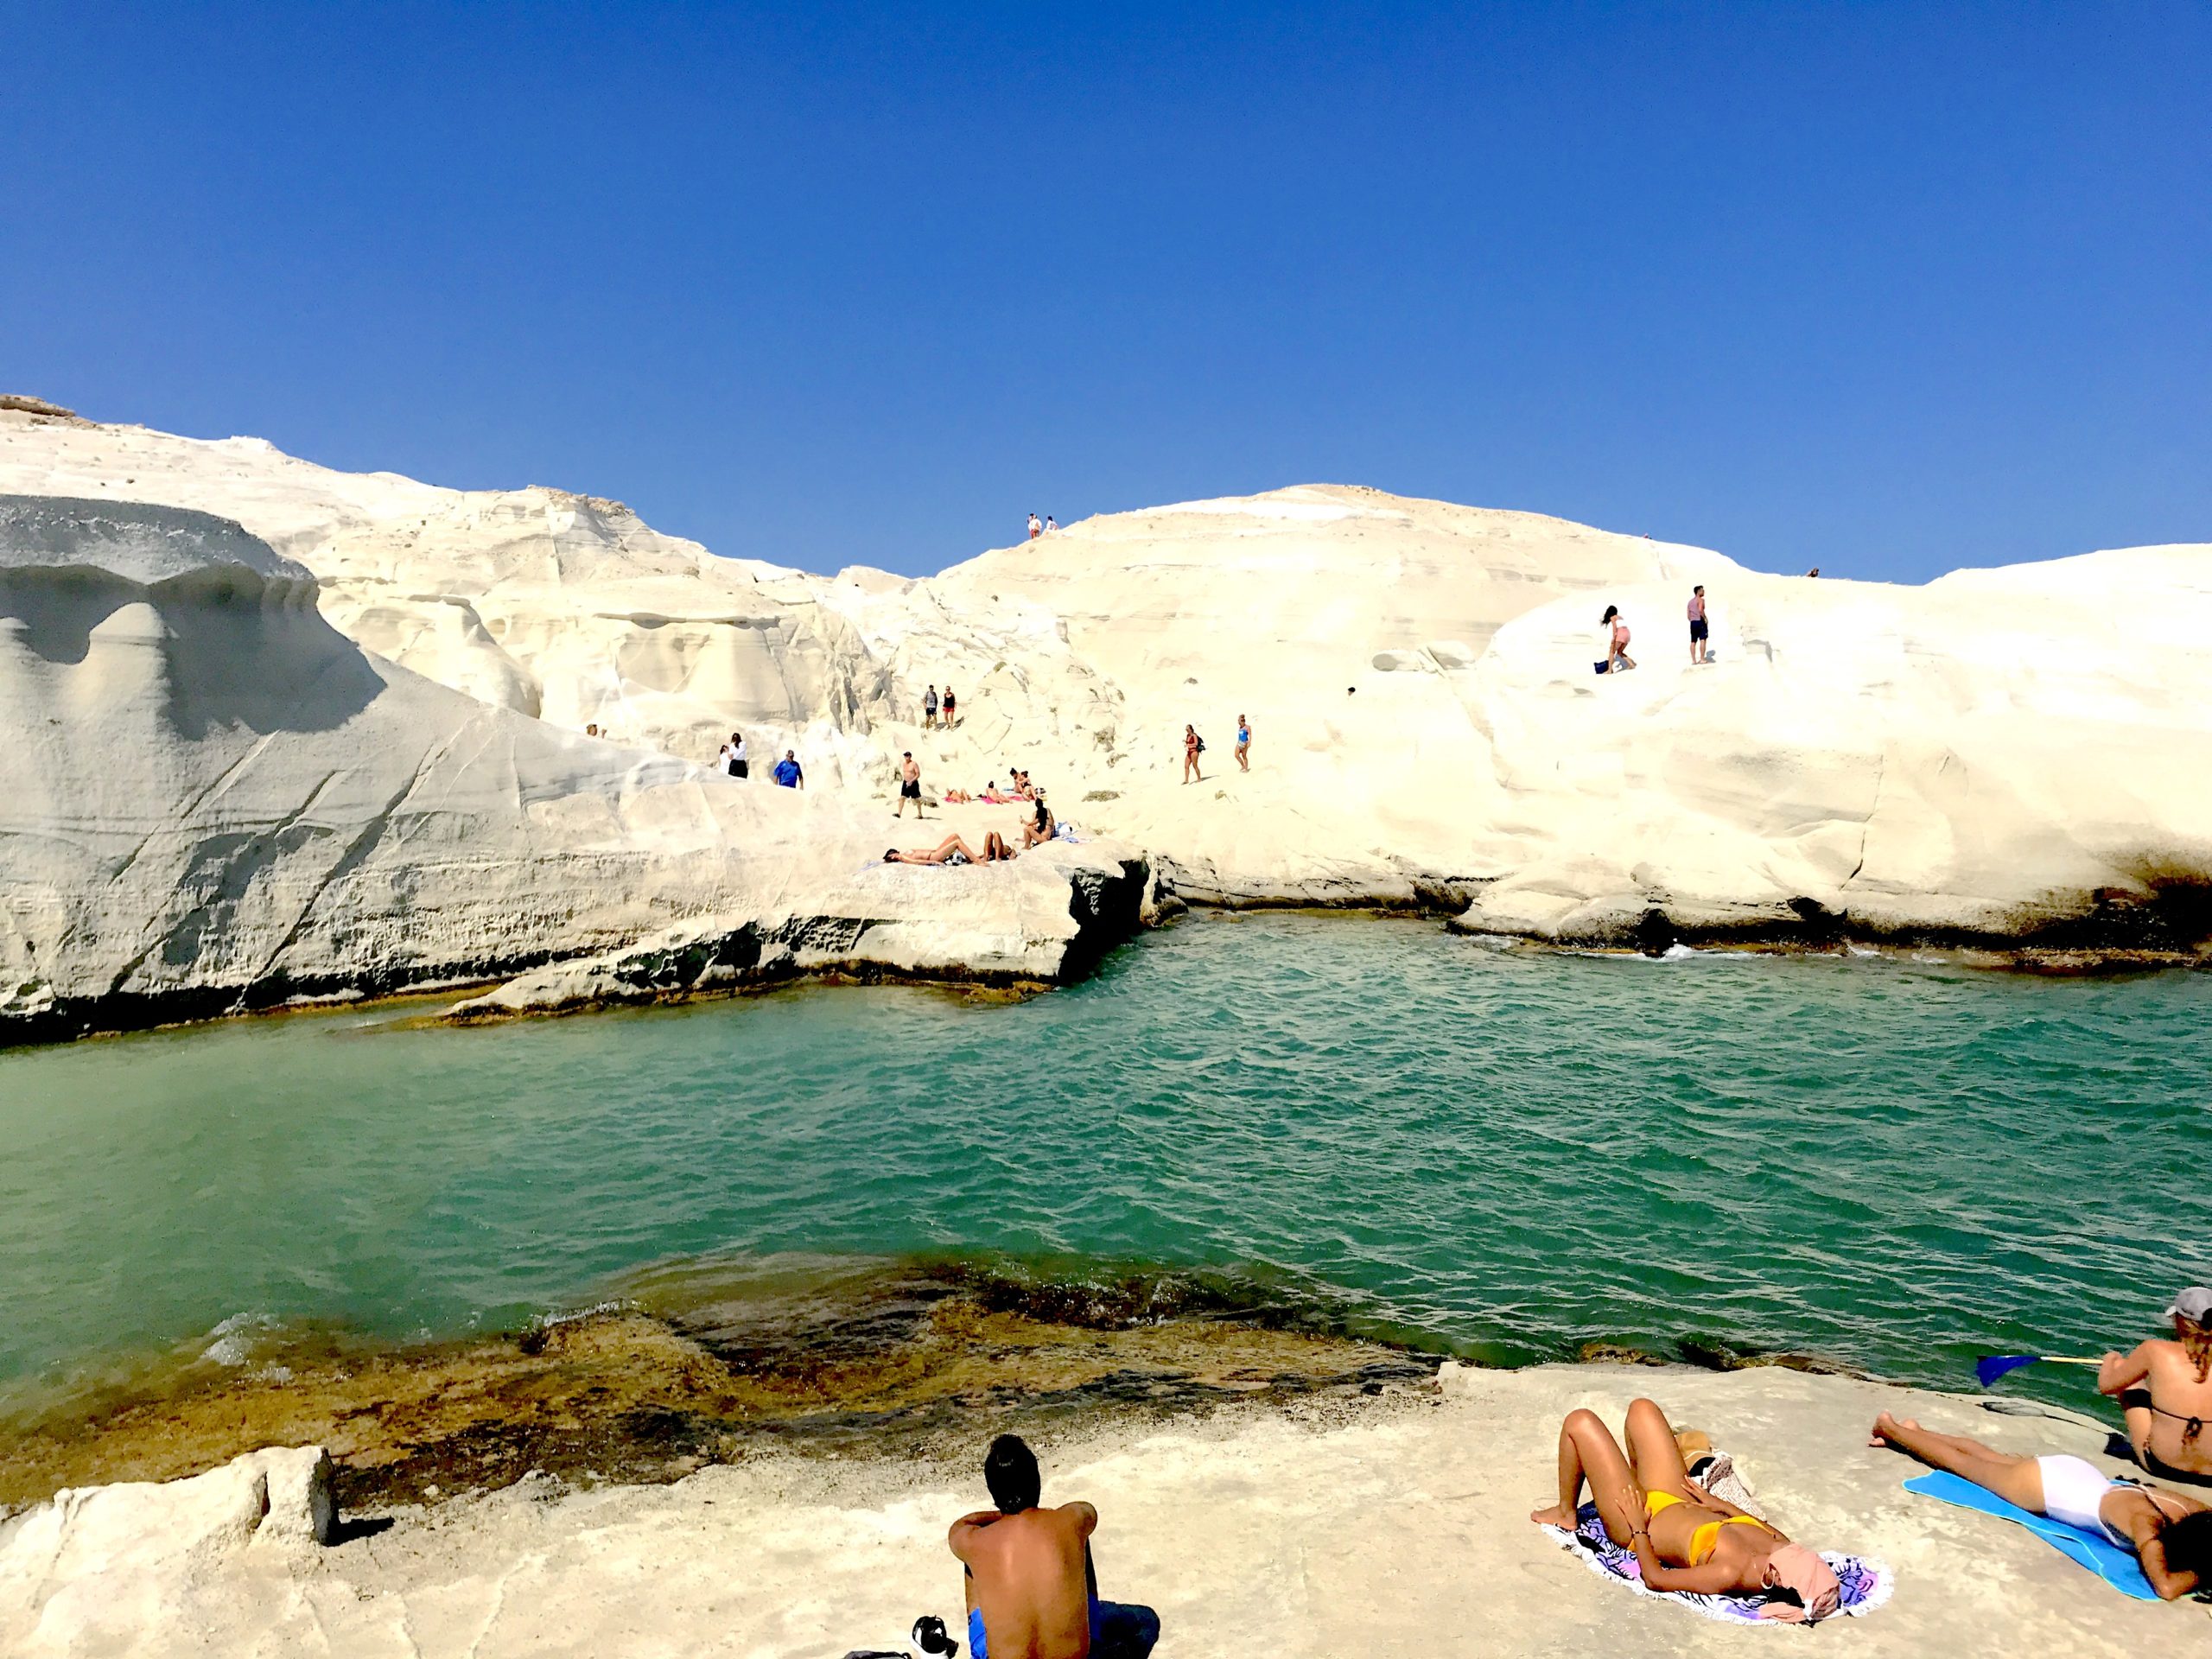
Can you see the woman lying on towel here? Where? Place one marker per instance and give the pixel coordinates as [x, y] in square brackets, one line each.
[953, 850]
[1684, 1537]
[2171, 1535]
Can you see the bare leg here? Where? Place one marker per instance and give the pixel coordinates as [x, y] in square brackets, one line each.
[1652, 1451]
[1588, 1452]
[2017, 1480]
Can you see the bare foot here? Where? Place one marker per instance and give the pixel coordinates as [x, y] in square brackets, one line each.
[1553, 1516]
[1885, 1429]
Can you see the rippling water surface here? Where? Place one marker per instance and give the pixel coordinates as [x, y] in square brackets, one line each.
[1502, 1154]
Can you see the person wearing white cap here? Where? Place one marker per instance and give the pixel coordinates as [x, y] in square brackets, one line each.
[2164, 1390]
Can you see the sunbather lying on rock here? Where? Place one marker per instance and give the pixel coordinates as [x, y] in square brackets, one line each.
[953, 850]
[1684, 1537]
[2171, 1535]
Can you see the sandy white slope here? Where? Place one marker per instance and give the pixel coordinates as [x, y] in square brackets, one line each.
[209, 798]
[1988, 755]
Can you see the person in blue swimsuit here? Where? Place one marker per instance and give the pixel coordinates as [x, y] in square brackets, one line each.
[1243, 742]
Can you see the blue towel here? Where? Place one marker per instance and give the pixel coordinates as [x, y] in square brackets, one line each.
[2116, 1567]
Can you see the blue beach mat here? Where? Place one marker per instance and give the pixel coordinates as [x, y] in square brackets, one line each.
[2116, 1567]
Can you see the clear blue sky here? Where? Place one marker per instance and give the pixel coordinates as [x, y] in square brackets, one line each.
[1888, 288]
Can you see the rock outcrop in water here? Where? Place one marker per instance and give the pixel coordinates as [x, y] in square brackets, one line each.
[2000, 756]
[211, 799]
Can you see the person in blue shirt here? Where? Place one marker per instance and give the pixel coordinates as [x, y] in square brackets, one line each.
[788, 774]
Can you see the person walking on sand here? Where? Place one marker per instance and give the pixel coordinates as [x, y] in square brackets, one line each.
[2164, 1390]
[1035, 528]
[929, 709]
[1616, 626]
[948, 706]
[788, 773]
[910, 786]
[1243, 744]
[2171, 1535]
[1698, 632]
[1684, 1538]
[1193, 747]
[1032, 1588]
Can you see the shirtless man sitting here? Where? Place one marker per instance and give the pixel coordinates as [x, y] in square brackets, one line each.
[2166, 1393]
[1032, 1592]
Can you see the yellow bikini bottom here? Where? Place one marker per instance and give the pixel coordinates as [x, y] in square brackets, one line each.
[1706, 1538]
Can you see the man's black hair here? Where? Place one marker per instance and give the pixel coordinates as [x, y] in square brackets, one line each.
[2189, 1546]
[1010, 1471]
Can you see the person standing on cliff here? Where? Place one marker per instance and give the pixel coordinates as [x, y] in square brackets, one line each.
[1032, 1586]
[948, 709]
[1050, 524]
[1193, 747]
[788, 773]
[929, 709]
[910, 786]
[1244, 743]
[734, 756]
[1698, 632]
[1036, 528]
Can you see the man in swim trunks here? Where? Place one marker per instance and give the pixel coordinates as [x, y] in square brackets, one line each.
[2164, 1390]
[1033, 1591]
[910, 786]
[2171, 1535]
[1697, 625]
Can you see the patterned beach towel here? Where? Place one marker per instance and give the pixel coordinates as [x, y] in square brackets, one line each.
[1866, 1582]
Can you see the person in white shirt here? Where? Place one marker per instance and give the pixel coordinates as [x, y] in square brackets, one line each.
[1036, 529]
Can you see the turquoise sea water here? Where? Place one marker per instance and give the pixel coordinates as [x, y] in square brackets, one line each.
[1497, 1152]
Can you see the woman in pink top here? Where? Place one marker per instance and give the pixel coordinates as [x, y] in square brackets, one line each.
[1617, 656]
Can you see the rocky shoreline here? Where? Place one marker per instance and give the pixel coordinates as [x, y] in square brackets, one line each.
[1386, 1518]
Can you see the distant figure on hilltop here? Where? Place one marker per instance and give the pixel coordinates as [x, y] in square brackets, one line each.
[1698, 632]
[1036, 528]
[929, 710]
[788, 773]
[1032, 1590]
[1050, 524]
[1616, 626]
[1193, 747]
[1815, 571]
[910, 786]
[1244, 743]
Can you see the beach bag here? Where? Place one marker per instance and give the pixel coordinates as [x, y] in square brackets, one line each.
[1201, 745]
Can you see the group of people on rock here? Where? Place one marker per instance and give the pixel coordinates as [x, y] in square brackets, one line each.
[734, 761]
[1047, 527]
[1036, 825]
[1194, 745]
[1032, 1588]
[1616, 637]
[1688, 1538]
[933, 706]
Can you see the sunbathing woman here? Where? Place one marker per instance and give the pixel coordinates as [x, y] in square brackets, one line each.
[1684, 1537]
[2166, 1393]
[2171, 1535]
[953, 850]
